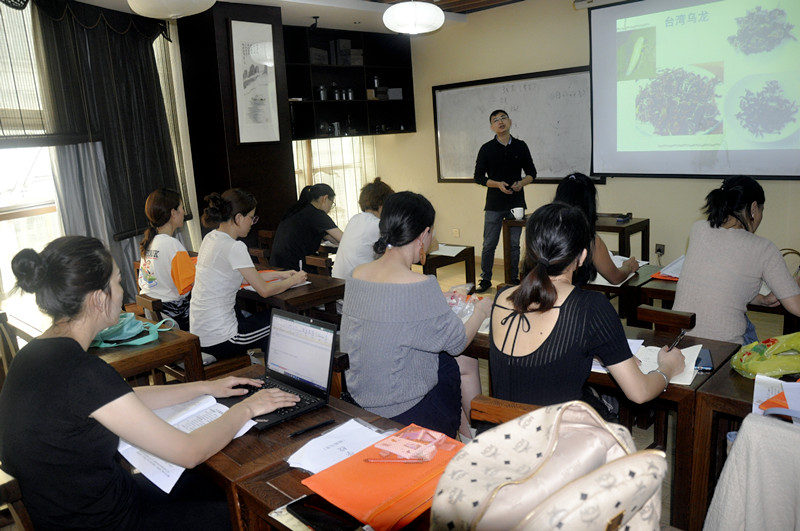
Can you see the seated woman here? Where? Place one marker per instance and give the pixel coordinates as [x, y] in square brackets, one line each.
[63, 410]
[362, 230]
[303, 228]
[546, 331]
[579, 191]
[399, 330]
[726, 263]
[165, 271]
[223, 263]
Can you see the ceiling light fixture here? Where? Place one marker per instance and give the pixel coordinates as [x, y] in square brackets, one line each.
[413, 17]
[163, 9]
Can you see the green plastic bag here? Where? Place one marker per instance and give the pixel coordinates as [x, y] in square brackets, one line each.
[774, 357]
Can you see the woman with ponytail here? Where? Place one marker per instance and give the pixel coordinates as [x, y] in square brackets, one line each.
[223, 264]
[304, 226]
[726, 264]
[63, 410]
[165, 270]
[399, 330]
[545, 332]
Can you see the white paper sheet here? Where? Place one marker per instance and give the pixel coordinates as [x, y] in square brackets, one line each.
[674, 268]
[447, 250]
[334, 445]
[633, 345]
[765, 388]
[649, 359]
[187, 417]
[618, 261]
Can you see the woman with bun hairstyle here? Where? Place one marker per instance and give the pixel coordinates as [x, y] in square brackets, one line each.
[64, 410]
[304, 226]
[726, 263]
[399, 330]
[165, 271]
[223, 263]
[545, 332]
[578, 190]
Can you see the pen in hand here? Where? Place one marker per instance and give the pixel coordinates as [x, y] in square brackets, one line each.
[677, 339]
[314, 427]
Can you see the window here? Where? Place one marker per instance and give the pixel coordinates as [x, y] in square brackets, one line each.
[346, 164]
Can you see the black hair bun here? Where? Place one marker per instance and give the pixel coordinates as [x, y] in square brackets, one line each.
[30, 270]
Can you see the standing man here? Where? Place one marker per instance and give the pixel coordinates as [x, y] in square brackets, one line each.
[500, 167]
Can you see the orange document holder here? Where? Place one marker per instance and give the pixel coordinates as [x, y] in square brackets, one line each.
[384, 493]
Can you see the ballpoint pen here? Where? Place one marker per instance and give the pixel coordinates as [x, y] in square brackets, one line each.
[677, 339]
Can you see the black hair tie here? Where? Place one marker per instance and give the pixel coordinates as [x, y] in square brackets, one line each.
[543, 261]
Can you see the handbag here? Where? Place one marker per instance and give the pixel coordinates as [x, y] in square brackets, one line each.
[558, 467]
[129, 331]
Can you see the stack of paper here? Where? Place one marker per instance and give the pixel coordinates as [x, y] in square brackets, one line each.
[649, 358]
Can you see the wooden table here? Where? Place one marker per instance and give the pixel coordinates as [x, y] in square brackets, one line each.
[263, 452]
[725, 394]
[628, 293]
[625, 231]
[604, 224]
[322, 291]
[466, 255]
[171, 347]
[678, 398]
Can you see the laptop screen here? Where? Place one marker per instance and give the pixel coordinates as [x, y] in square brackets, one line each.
[300, 350]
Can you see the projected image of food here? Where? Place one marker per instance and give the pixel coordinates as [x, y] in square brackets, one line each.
[761, 30]
[679, 101]
[767, 111]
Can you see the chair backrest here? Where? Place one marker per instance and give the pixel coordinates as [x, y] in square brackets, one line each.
[11, 495]
[323, 264]
[671, 321]
[262, 252]
[152, 307]
[497, 411]
[8, 346]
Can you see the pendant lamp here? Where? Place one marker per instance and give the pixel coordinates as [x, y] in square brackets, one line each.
[413, 17]
[163, 9]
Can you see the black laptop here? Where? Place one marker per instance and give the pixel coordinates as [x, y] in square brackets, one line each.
[299, 359]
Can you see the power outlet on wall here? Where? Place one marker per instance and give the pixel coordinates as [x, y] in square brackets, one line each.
[456, 233]
[660, 249]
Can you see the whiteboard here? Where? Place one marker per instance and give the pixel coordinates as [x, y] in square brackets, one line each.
[550, 111]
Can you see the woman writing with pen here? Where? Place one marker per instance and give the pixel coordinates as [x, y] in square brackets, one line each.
[545, 332]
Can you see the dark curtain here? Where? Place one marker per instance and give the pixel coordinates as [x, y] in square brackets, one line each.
[102, 83]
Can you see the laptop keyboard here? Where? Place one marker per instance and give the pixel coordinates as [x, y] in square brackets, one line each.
[305, 399]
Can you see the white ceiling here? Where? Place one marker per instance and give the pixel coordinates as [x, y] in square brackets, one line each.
[357, 15]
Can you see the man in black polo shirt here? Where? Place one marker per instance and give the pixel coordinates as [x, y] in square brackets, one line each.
[500, 167]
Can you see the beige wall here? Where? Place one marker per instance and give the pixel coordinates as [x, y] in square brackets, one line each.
[531, 36]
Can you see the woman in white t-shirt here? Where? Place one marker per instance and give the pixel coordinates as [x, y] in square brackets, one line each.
[166, 271]
[223, 263]
[361, 233]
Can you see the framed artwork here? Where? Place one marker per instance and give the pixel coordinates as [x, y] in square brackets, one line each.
[255, 94]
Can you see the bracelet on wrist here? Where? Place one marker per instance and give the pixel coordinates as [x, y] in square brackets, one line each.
[666, 378]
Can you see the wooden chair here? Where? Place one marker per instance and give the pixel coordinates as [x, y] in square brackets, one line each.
[9, 346]
[262, 252]
[153, 306]
[497, 411]
[323, 264]
[664, 320]
[11, 497]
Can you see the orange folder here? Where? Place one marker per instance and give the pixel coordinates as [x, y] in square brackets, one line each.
[388, 494]
[660, 276]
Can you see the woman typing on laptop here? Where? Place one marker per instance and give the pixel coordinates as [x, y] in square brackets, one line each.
[63, 410]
